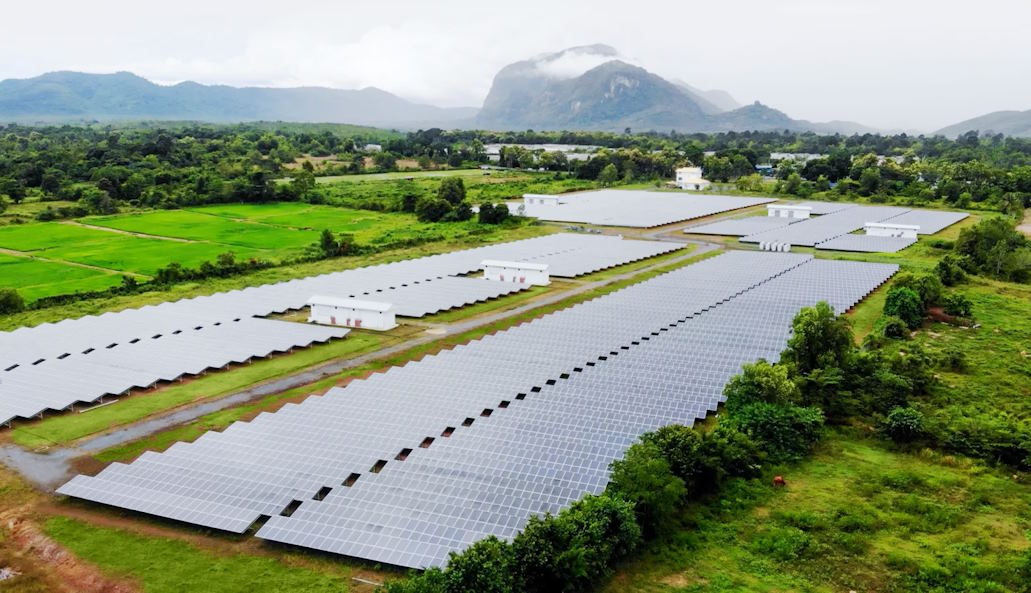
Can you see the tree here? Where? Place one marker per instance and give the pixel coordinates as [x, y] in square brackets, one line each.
[328, 244]
[303, 183]
[949, 270]
[643, 477]
[905, 303]
[484, 567]
[819, 339]
[452, 190]
[760, 382]
[869, 181]
[957, 305]
[10, 301]
[928, 286]
[609, 175]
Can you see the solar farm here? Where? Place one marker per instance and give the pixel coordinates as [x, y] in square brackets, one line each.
[55, 366]
[832, 227]
[424, 459]
[634, 208]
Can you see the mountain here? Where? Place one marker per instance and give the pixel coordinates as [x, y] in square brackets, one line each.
[592, 87]
[1011, 123]
[714, 101]
[66, 96]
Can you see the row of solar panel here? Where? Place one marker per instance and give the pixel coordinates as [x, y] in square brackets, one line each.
[630, 208]
[228, 480]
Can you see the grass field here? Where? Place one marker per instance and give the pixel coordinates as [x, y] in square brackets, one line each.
[35, 278]
[162, 565]
[857, 515]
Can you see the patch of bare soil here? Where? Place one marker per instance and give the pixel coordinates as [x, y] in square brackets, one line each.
[65, 571]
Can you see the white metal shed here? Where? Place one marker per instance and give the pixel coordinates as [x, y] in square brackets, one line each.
[518, 272]
[351, 313]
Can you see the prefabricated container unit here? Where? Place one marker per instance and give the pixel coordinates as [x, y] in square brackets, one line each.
[516, 272]
[887, 229]
[351, 313]
[788, 211]
[539, 200]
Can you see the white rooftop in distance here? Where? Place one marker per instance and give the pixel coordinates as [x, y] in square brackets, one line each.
[892, 225]
[350, 303]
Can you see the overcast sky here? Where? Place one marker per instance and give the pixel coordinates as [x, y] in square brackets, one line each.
[907, 64]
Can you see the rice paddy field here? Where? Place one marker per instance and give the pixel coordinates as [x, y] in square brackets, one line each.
[51, 258]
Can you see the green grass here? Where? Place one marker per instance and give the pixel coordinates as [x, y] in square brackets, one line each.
[277, 274]
[162, 565]
[64, 428]
[856, 515]
[35, 278]
[196, 226]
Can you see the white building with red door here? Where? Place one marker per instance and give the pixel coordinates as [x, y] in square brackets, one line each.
[351, 313]
[517, 272]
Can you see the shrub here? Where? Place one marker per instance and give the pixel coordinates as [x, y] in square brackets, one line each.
[484, 567]
[906, 304]
[430, 581]
[783, 544]
[643, 478]
[949, 271]
[904, 425]
[571, 552]
[957, 305]
[729, 453]
[432, 209]
[954, 359]
[10, 301]
[760, 382]
[891, 326]
[784, 432]
[928, 286]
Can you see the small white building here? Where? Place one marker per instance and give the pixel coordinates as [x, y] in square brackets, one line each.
[373, 148]
[351, 313]
[691, 178]
[518, 272]
[887, 229]
[540, 200]
[788, 211]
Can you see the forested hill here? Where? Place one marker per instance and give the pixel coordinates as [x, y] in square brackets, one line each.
[62, 96]
[1009, 123]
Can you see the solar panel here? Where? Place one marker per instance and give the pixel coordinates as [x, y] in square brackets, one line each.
[929, 221]
[818, 229]
[56, 365]
[634, 208]
[866, 244]
[426, 458]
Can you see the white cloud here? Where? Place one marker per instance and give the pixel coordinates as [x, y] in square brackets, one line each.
[909, 64]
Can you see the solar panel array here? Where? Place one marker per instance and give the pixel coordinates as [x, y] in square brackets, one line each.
[635, 208]
[88, 376]
[811, 231]
[866, 244]
[739, 227]
[821, 208]
[43, 364]
[929, 221]
[475, 440]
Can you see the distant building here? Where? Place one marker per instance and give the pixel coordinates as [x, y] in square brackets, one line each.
[788, 211]
[799, 157]
[887, 229]
[373, 148]
[351, 313]
[691, 178]
[516, 272]
[765, 170]
[539, 200]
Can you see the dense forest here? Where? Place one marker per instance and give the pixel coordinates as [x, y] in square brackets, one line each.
[99, 169]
